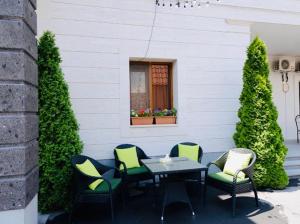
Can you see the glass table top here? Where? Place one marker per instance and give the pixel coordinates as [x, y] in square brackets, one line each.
[175, 165]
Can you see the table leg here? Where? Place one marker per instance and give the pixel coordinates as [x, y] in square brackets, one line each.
[175, 192]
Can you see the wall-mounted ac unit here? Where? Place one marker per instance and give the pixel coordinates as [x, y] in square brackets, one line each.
[287, 64]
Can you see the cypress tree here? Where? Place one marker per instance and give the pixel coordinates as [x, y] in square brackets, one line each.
[58, 129]
[258, 128]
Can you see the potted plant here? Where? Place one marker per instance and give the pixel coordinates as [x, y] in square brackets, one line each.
[142, 117]
[165, 116]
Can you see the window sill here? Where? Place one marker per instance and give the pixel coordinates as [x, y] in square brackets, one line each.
[153, 126]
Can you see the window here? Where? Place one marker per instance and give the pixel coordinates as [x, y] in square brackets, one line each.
[151, 86]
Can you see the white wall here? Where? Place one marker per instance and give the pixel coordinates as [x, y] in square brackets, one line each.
[287, 103]
[27, 215]
[282, 40]
[97, 38]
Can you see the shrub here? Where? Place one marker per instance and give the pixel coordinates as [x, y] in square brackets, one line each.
[58, 129]
[258, 128]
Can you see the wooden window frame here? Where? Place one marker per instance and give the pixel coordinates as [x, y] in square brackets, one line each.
[170, 73]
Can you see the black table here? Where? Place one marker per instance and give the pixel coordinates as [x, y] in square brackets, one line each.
[175, 189]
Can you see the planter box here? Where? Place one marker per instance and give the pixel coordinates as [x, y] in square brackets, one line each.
[141, 120]
[165, 120]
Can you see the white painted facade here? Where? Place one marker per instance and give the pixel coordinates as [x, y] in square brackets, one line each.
[97, 39]
[287, 103]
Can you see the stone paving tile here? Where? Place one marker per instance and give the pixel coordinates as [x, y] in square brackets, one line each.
[217, 211]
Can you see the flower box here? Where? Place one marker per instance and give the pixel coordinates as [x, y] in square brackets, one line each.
[141, 120]
[165, 120]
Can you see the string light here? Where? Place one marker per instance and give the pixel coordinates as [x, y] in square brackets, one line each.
[185, 3]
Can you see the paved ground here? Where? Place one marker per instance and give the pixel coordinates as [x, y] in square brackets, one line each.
[288, 200]
[275, 208]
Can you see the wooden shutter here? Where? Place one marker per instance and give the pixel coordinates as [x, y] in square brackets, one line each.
[160, 86]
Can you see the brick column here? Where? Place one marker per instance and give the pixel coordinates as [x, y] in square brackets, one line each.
[18, 112]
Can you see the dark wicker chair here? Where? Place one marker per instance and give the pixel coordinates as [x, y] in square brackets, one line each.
[193, 177]
[174, 150]
[134, 175]
[106, 193]
[235, 186]
[297, 121]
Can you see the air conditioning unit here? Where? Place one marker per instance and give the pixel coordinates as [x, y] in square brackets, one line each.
[287, 64]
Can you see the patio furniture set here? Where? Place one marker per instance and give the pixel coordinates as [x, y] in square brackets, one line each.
[97, 183]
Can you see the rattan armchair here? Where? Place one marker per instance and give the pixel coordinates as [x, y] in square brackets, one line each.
[174, 151]
[134, 175]
[187, 176]
[235, 186]
[106, 193]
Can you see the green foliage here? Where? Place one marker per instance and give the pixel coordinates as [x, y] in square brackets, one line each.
[258, 128]
[141, 113]
[59, 139]
[165, 112]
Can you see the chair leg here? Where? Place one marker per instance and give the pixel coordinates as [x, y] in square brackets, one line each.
[126, 191]
[123, 195]
[163, 208]
[255, 194]
[233, 203]
[112, 209]
[71, 217]
[73, 209]
[191, 207]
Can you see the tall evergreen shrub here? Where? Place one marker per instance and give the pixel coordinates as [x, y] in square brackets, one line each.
[258, 128]
[58, 129]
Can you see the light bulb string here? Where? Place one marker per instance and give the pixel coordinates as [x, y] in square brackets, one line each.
[185, 3]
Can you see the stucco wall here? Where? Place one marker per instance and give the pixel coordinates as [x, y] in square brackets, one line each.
[97, 39]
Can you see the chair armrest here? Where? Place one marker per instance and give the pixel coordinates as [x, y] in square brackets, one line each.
[213, 163]
[113, 172]
[123, 173]
[109, 174]
[220, 162]
[92, 178]
[248, 172]
[119, 163]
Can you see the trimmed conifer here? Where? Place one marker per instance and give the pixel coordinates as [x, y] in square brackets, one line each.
[258, 128]
[58, 129]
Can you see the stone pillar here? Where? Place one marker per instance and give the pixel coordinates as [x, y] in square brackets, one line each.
[18, 112]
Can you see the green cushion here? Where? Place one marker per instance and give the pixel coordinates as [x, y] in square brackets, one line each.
[188, 151]
[89, 169]
[129, 157]
[226, 178]
[137, 170]
[104, 188]
[236, 161]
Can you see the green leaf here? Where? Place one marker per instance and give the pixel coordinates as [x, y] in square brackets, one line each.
[258, 128]
[58, 129]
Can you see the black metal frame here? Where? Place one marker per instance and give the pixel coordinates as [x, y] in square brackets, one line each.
[174, 185]
[81, 182]
[174, 191]
[235, 187]
[137, 177]
[297, 120]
